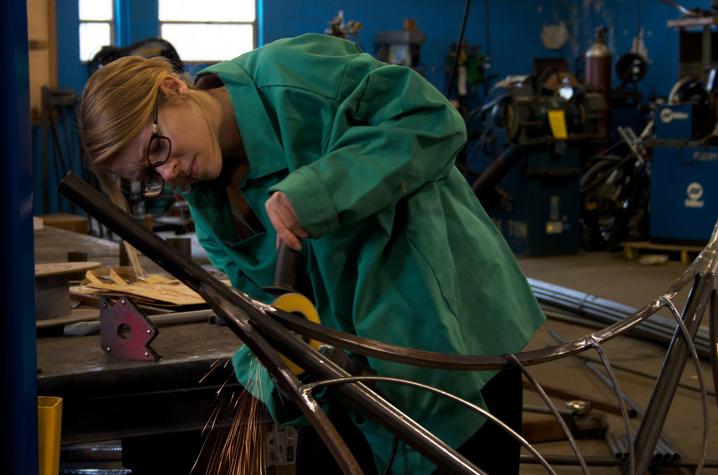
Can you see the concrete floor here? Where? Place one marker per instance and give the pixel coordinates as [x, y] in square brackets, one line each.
[612, 277]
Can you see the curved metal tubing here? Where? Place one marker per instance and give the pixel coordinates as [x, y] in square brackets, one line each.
[697, 363]
[621, 404]
[429, 359]
[591, 364]
[554, 410]
[247, 318]
[704, 264]
[525, 443]
[673, 365]
[627, 369]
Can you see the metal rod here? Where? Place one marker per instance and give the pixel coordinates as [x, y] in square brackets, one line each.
[597, 461]
[657, 328]
[621, 403]
[614, 446]
[554, 410]
[570, 395]
[667, 382]
[590, 364]
[628, 369]
[630, 402]
[699, 372]
[505, 427]
[163, 319]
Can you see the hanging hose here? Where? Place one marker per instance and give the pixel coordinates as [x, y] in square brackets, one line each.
[455, 63]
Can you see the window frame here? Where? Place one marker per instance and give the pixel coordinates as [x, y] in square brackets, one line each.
[111, 22]
[254, 24]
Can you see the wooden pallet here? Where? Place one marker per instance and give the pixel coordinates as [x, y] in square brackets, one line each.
[686, 253]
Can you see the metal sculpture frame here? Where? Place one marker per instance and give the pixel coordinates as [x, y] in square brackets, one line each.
[263, 329]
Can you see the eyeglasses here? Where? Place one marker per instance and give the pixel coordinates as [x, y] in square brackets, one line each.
[158, 153]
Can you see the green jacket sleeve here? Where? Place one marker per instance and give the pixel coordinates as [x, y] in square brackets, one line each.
[392, 133]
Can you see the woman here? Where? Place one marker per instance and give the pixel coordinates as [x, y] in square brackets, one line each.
[313, 143]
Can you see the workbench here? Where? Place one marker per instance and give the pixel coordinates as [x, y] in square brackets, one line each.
[108, 399]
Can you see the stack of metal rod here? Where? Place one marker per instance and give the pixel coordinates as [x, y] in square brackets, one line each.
[618, 444]
[562, 303]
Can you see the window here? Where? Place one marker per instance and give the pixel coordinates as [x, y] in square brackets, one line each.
[209, 30]
[96, 18]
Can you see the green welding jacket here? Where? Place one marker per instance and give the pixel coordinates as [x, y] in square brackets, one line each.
[400, 250]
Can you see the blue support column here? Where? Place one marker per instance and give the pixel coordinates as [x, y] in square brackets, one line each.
[122, 24]
[17, 330]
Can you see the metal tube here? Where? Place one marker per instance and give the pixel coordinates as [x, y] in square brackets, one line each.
[637, 372]
[671, 371]
[666, 450]
[246, 319]
[704, 398]
[554, 410]
[607, 311]
[493, 419]
[614, 446]
[621, 402]
[597, 461]
[163, 319]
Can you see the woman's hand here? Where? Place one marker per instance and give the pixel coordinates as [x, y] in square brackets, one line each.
[284, 219]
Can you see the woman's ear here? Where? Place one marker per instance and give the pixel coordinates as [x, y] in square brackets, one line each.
[172, 85]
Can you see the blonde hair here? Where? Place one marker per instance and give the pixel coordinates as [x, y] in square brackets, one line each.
[117, 102]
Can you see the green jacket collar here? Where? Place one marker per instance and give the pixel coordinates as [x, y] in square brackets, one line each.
[261, 141]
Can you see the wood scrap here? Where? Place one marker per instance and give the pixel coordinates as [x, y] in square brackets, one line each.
[152, 289]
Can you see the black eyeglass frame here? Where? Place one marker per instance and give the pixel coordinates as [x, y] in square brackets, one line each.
[158, 184]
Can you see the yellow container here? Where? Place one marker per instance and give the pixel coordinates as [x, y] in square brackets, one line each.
[49, 416]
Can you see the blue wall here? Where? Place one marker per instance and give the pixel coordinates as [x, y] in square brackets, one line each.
[623, 17]
[514, 27]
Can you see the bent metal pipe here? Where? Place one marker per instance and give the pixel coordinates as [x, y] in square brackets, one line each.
[247, 318]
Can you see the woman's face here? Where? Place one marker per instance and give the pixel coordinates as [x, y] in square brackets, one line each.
[195, 152]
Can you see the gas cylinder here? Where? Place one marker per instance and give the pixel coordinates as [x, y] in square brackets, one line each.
[598, 62]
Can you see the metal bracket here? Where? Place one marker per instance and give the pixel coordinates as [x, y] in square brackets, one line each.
[126, 332]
